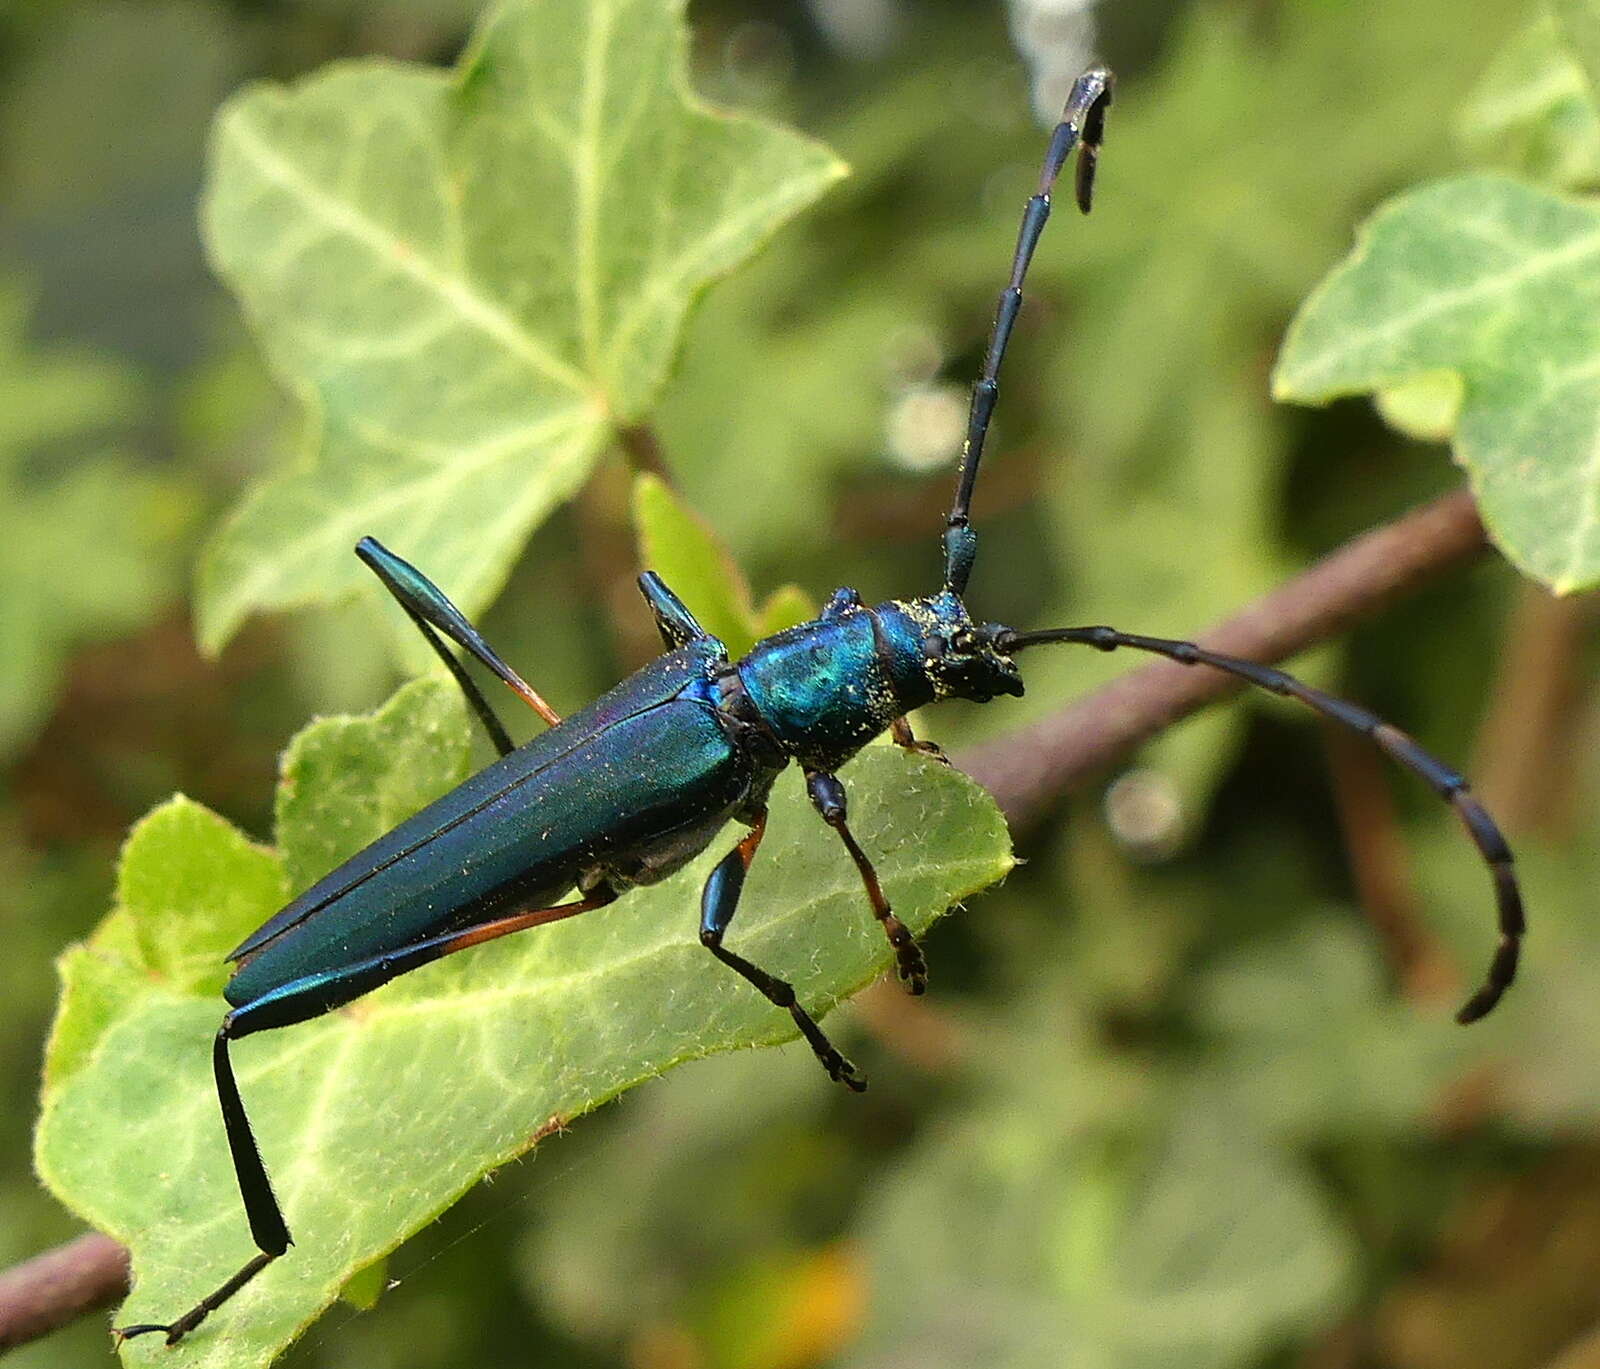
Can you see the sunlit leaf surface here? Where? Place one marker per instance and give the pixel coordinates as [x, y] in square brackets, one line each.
[470, 280]
[1501, 283]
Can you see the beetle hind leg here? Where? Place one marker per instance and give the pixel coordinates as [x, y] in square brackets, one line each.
[267, 1227]
[176, 1331]
[298, 1002]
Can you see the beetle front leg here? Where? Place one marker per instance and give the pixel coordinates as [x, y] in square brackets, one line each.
[900, 730]
[828, 797]
[718, 903]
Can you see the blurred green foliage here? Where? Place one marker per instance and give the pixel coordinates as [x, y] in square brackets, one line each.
[1171, 1101]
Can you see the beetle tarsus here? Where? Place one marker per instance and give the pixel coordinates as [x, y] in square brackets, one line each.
[841, 1071]
[910, 965]
[177, 1330]
[900, 730]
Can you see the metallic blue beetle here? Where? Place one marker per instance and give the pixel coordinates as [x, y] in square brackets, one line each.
[633, 787]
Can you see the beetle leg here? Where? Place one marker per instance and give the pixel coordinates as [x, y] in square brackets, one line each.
[297, 1002]
[828, 797]
[267, 1227]
[718, 903]
[900, 730]
[426, 605]
[677, 626]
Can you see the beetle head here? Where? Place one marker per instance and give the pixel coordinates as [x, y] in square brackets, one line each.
[959, 657]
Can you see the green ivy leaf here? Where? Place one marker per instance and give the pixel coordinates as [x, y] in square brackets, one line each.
[1426, 407]
[1496, 281]
[1580, 22]
[347, 781]
[375, 1118]
[471, 280]
[189, 888]
[1534, 112]
[680, 546]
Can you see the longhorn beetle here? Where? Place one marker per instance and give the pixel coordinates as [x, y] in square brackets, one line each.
[634, 786]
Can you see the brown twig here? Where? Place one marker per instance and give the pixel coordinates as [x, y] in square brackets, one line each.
[1528, 750]
[1027, 772]
[59, 1286]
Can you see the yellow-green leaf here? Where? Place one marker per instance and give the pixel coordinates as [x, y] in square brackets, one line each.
[470, 279]
[679, 545]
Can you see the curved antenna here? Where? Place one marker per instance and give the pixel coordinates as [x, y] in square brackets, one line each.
[1445, 782]
[1082, 126]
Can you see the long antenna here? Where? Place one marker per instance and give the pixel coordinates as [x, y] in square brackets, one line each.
[1400, 748]
[1082, 126]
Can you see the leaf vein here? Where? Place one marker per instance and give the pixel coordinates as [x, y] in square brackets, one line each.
[347, 521]
[455, 294]
[1439, 302]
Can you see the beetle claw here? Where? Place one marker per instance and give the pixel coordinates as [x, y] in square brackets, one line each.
[847, 1074]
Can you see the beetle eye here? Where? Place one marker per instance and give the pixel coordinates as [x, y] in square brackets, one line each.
[962, 640]
[934, 648]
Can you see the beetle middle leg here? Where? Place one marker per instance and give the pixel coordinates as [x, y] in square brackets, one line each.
[718, 903]
[828, 797]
